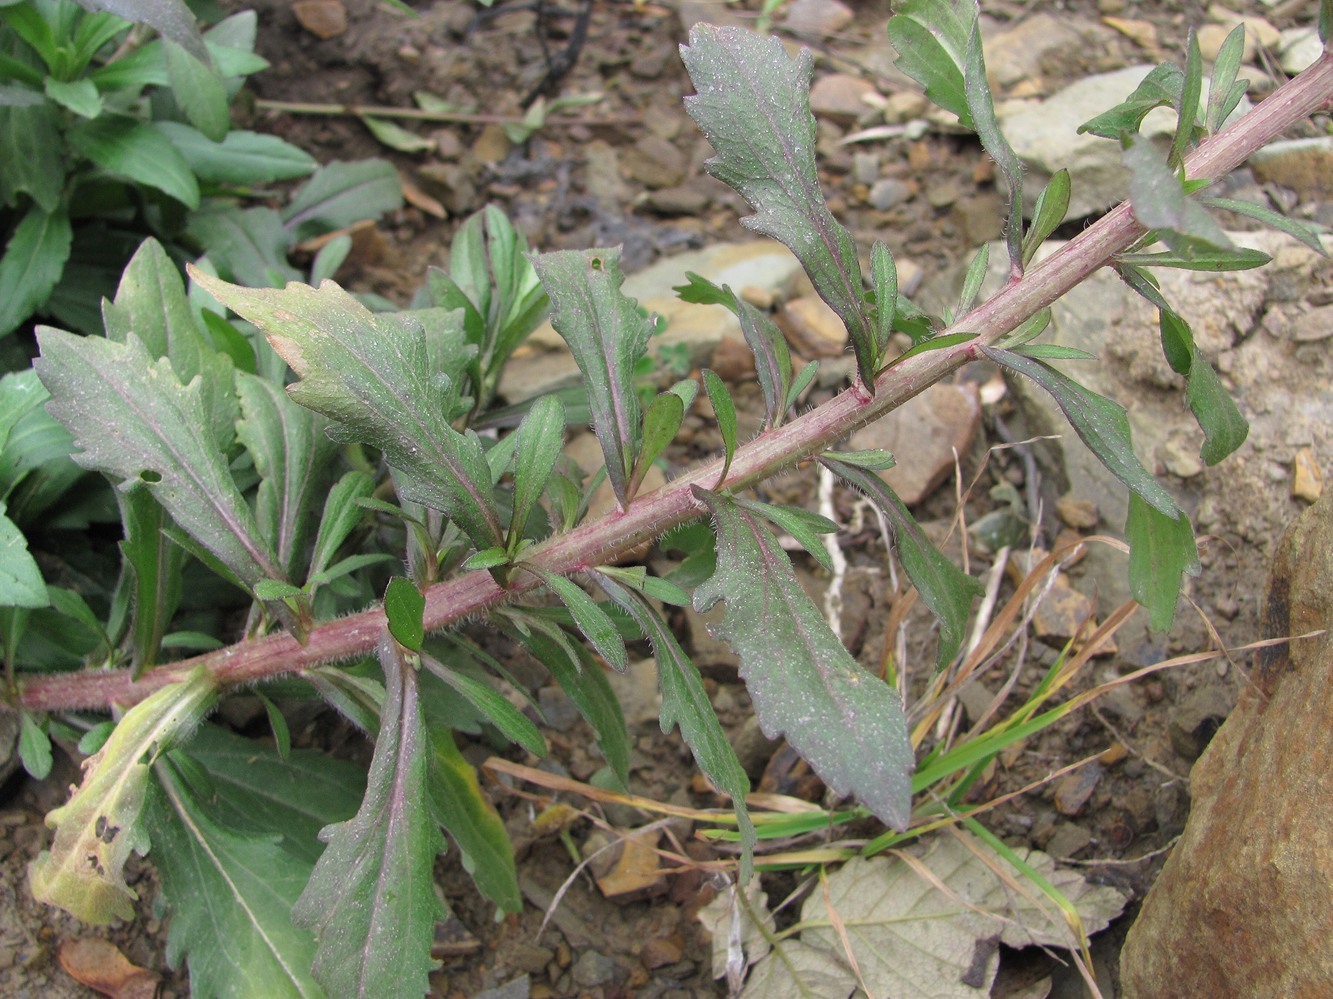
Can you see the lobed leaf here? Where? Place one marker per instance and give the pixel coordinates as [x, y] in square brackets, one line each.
[134, 420]
[946, 589]
[847, 723]
[685, 703]
[381, 380]
[98, 828]
[753, 105]
[607, 336]
[371, 900]
[931, 38]
[1100, 423]
[231, 894]
[1160, 549]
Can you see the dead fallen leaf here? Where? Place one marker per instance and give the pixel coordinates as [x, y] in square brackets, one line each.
[100, 965]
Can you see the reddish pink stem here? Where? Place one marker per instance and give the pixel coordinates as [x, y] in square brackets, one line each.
[601, 541]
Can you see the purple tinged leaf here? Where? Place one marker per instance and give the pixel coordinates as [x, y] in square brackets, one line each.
[753, 105]
[133, 419]
[725, 411]
[607, 336]
[884, 279]
[370, 900]
[1100, 423]
[375, 378]
[847, 723]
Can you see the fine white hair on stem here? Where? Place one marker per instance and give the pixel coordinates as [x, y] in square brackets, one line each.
[833, 595]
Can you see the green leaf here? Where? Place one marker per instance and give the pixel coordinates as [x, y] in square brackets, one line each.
[1160, 549]
[1162, 86]
[404, 606]
[200, 92]
[139, 153]
[875, 459]
[395, 136]
[343, 193]
[884, 278]
[987, 126]
[248, 245]
[1224, 428]
[725, 412]
[371, 900]
[1159, 201]
[1225, 68]
[511, 722]
[847, 723]
[1100, 423]
[277, 723]
[1202, 259]
[660, 423]
[801, 524]
[32, 265]
[342, 515]
[30, 148]
[461, 807]
[240, 157]
[1307, 232]
[976, 273]
[1048, 214]
[276, 589]
[231, 894]
[931, 38]
[1325, 21]
[1053, 351]
[762, 335]
[946, 589]
[292, 454]
[801, 382]
[79, 96]
[154, 565]
[21, 583]
[596, 626]
[607, 335]
[584, 682]
[685, 702]
[83, 873]
[540, 437]
[134, 419]
[753, 105]
[256, 791]
[1187, 109]
[487, 558]
[379, 378]
[34, 747]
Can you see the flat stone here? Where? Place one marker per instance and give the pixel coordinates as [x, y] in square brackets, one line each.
[841, 96]
[1141, 33]
[815, 329]
[1299, 49]
[1241, 907]
[660, 951]
[1080, 514]
[593, 968]
[630, 869]
[636, 690]
[1317, 324]
[1304, 165]
[888, 192]
[1068, 841]
[518, 988]
[817, 18]
[1063, 613]
[654, 162]
[324, 19]
[924, 432]
[1074, 790]
[683, 199]
[1016, 54]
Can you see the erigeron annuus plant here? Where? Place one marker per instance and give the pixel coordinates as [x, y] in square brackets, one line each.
[249, 480]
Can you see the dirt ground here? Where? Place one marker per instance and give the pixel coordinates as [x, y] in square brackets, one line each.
[628, 171]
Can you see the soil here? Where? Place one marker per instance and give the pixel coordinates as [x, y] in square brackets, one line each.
[628, 170]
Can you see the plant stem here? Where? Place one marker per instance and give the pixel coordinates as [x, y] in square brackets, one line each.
[619, 532]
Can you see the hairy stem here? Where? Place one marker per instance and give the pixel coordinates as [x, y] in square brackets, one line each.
[619, 532]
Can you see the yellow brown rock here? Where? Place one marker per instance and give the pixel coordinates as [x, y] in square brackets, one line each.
[1241, 908]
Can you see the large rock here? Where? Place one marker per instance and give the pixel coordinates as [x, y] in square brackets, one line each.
[1241, 909]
